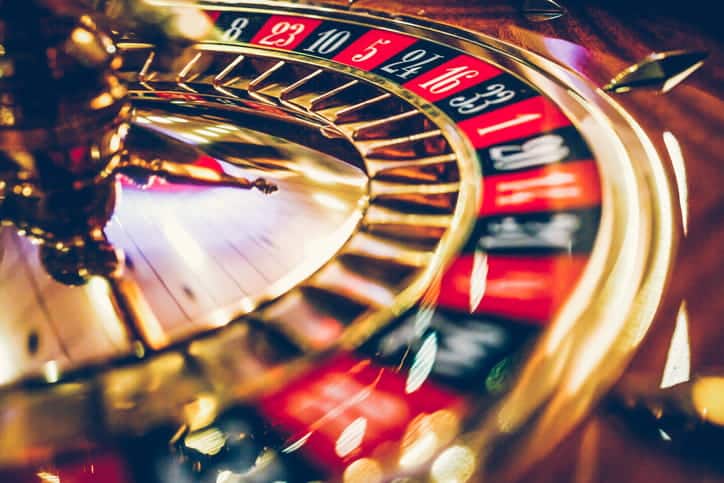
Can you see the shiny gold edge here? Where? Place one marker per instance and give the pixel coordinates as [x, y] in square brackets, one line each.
[582, 356]
[595, 351]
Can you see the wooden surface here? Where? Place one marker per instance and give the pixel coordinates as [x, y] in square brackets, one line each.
[599, 39]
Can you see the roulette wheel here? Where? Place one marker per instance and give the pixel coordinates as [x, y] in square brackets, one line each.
[372, 241]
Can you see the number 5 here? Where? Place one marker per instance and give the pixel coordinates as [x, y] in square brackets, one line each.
[370, 51]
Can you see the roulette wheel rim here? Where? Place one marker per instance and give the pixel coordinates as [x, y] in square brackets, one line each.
[641, 195]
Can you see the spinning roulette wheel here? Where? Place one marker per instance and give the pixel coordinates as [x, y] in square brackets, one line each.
[270, 241]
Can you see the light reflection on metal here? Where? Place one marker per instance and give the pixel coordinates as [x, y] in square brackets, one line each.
[420, 451]
[208, 133]
[156, 119]
[82, 36]
[351, 438]
[422, 364]
[425, 436]
[51, 372]
[363, 470]
[423, 318]
[194, 138]
[46, 477]
[454, 465]
[587, 362]
[225, 476]
[664, 435]
[266, 458]
[478, 279]
[426, 306]
[201, 412]
[190, 23]
[708, 399]
[99, 293]
[209, 441]
[679, 165]
[101, 102]
[569, 53]
[678, 358]
[542, 10]
[661, 70]
[7, 364]
[296, 444]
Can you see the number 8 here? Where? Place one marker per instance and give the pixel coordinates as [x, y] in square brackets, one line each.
[236, 28]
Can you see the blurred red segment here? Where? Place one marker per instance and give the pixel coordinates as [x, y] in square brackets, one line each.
[554, 187]
[524, 288]
[346, 408]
